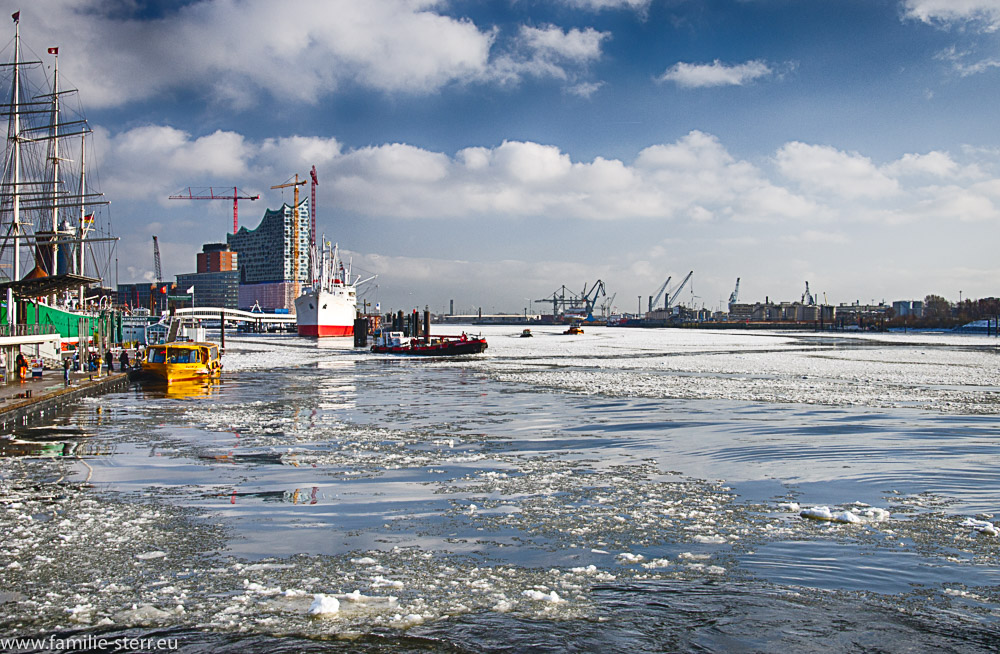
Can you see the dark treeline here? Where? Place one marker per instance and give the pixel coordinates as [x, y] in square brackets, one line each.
[939, 312]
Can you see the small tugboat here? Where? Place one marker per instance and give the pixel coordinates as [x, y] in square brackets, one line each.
[182, 361]
[574, 330]
[432, 346]
[526, 333]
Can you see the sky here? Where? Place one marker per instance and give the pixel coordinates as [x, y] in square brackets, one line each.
[492, 151]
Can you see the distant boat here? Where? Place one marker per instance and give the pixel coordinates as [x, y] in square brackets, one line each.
[431, 346]
[574, 330]
[526, 333]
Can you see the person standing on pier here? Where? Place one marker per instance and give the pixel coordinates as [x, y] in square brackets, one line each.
[3, 367]
[123, 362]
[22, 366]
[111, 361]
[66, 366]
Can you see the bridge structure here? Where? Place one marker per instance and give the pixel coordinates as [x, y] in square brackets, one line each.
[236, 315]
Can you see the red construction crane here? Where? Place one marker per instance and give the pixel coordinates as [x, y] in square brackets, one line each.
[208, 193]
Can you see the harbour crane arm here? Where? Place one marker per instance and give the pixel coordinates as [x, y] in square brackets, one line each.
[735, 295]
[659, 293]
[672, 295]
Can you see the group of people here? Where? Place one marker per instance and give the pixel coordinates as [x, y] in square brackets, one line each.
[93, 364]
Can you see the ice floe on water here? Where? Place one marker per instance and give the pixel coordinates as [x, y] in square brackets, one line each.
[936, 373]
[492, 524]
[980, 526]
[850, 516]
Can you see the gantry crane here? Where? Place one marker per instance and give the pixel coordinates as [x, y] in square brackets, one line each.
[655, 300]
[208, 193]
[597, 290]
[296, 244]
[677, 291]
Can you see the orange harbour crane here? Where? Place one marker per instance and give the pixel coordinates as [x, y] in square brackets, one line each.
[208, 193]
[312, 209]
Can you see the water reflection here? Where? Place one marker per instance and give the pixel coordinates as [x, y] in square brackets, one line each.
[296, 496]
[182, 390]
[11, 448]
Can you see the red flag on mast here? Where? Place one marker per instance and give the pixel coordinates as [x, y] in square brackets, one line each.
[16, 16]
[54, 51]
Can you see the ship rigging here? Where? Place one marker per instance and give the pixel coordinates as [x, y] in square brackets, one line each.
[49, 209]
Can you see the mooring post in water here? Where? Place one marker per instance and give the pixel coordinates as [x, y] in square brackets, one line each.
[400, 317]
[222, 329]
[427, 324]
[360, 332]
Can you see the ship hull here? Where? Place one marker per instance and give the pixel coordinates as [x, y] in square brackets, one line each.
[322, 314]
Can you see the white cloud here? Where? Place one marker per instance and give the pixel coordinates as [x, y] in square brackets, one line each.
[598, 5]
[947, 12]
[715, 74]
[242, 53]
[963, 63]
[825, 170]
[548, 52]
[933, 164]
[694, 182]
[237, 52]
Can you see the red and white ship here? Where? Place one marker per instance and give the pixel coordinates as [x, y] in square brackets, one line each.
[330, 306]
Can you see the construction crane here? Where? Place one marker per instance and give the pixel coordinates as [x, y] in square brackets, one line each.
[208, 193]
[735, 295]
[656, 301]
[296, 245]
[807, 297]
[157, 268]
[677, 291]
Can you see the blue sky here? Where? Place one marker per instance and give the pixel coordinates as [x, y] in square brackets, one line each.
[491, 151]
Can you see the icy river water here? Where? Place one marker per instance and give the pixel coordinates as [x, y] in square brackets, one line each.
[621, 490]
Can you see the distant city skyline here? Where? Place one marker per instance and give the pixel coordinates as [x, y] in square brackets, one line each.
[490, 152]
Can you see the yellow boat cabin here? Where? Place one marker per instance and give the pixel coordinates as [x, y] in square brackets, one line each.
[182, 361]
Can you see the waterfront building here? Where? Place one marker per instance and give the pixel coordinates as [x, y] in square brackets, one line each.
[216, 284]
[908, 308]
[273, 259]
[212, 289]
[216, 257]
[144, 295]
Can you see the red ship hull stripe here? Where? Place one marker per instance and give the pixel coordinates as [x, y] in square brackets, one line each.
[326, 330]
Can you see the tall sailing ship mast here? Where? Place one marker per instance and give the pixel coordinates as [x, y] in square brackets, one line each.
[48, 210]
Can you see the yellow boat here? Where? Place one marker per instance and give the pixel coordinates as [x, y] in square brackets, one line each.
[573, 330]
[182, 361]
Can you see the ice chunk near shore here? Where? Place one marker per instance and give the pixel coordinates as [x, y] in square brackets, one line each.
[324, 605]
[982, 526]
[824, 513]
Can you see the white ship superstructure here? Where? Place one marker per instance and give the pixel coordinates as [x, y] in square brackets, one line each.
[329, 307]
